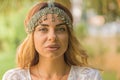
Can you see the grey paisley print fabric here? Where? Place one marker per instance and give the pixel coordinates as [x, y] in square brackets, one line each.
[76, 73]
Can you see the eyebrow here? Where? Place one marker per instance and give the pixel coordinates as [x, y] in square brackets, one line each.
[56, 25]
[60, 24]
[44, 24]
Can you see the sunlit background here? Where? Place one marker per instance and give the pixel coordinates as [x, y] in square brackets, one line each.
[96, 23]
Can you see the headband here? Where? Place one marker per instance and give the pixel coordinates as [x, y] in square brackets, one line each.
[41, 15]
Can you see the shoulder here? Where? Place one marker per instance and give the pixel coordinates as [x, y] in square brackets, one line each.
[86, 72]
[15, 74]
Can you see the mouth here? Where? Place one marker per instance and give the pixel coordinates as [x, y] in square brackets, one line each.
[52, 47]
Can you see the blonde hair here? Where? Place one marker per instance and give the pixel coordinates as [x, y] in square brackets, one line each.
[26, 52]
[75, 54]
[27, 56]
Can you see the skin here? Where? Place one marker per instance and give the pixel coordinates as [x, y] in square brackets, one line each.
[51, 42]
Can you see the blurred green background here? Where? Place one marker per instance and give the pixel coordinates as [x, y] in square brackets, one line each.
[103, 50]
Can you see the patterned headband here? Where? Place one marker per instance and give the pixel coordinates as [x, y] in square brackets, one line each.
[41, 15]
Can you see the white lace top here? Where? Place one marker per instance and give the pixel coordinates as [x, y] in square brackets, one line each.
[76, 73]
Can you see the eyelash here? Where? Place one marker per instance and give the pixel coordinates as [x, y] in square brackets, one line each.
[43, 29]
[57, 29]
[61, 29]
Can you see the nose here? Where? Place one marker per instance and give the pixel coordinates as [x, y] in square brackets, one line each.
[52, 36]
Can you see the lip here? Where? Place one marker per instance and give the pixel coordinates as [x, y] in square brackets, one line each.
[52, 47]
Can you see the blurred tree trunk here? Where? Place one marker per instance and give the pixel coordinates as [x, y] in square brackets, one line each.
[118, 1]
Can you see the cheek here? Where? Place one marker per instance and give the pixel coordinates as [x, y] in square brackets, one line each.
[64, 41]
[38, 41]
[65, 44]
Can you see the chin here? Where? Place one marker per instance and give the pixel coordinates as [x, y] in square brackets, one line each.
[54, 55]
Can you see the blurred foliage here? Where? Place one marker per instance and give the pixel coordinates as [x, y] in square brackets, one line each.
[90, 50]
[81, 30]
[11, 24]
[109, 75]
[7, 61]
[110, 9]
[118, 44]
[11, 30]
[101, 48]
[9, 5]
[118, 49]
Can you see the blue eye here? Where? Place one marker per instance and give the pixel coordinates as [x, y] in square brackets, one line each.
[43, 29]
[61, 29]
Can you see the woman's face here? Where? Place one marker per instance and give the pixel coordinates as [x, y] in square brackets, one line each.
[51, 37]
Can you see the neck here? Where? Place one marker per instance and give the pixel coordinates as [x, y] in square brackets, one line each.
[50, 67]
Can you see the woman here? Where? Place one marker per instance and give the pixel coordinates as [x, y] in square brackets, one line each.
[51, 50]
